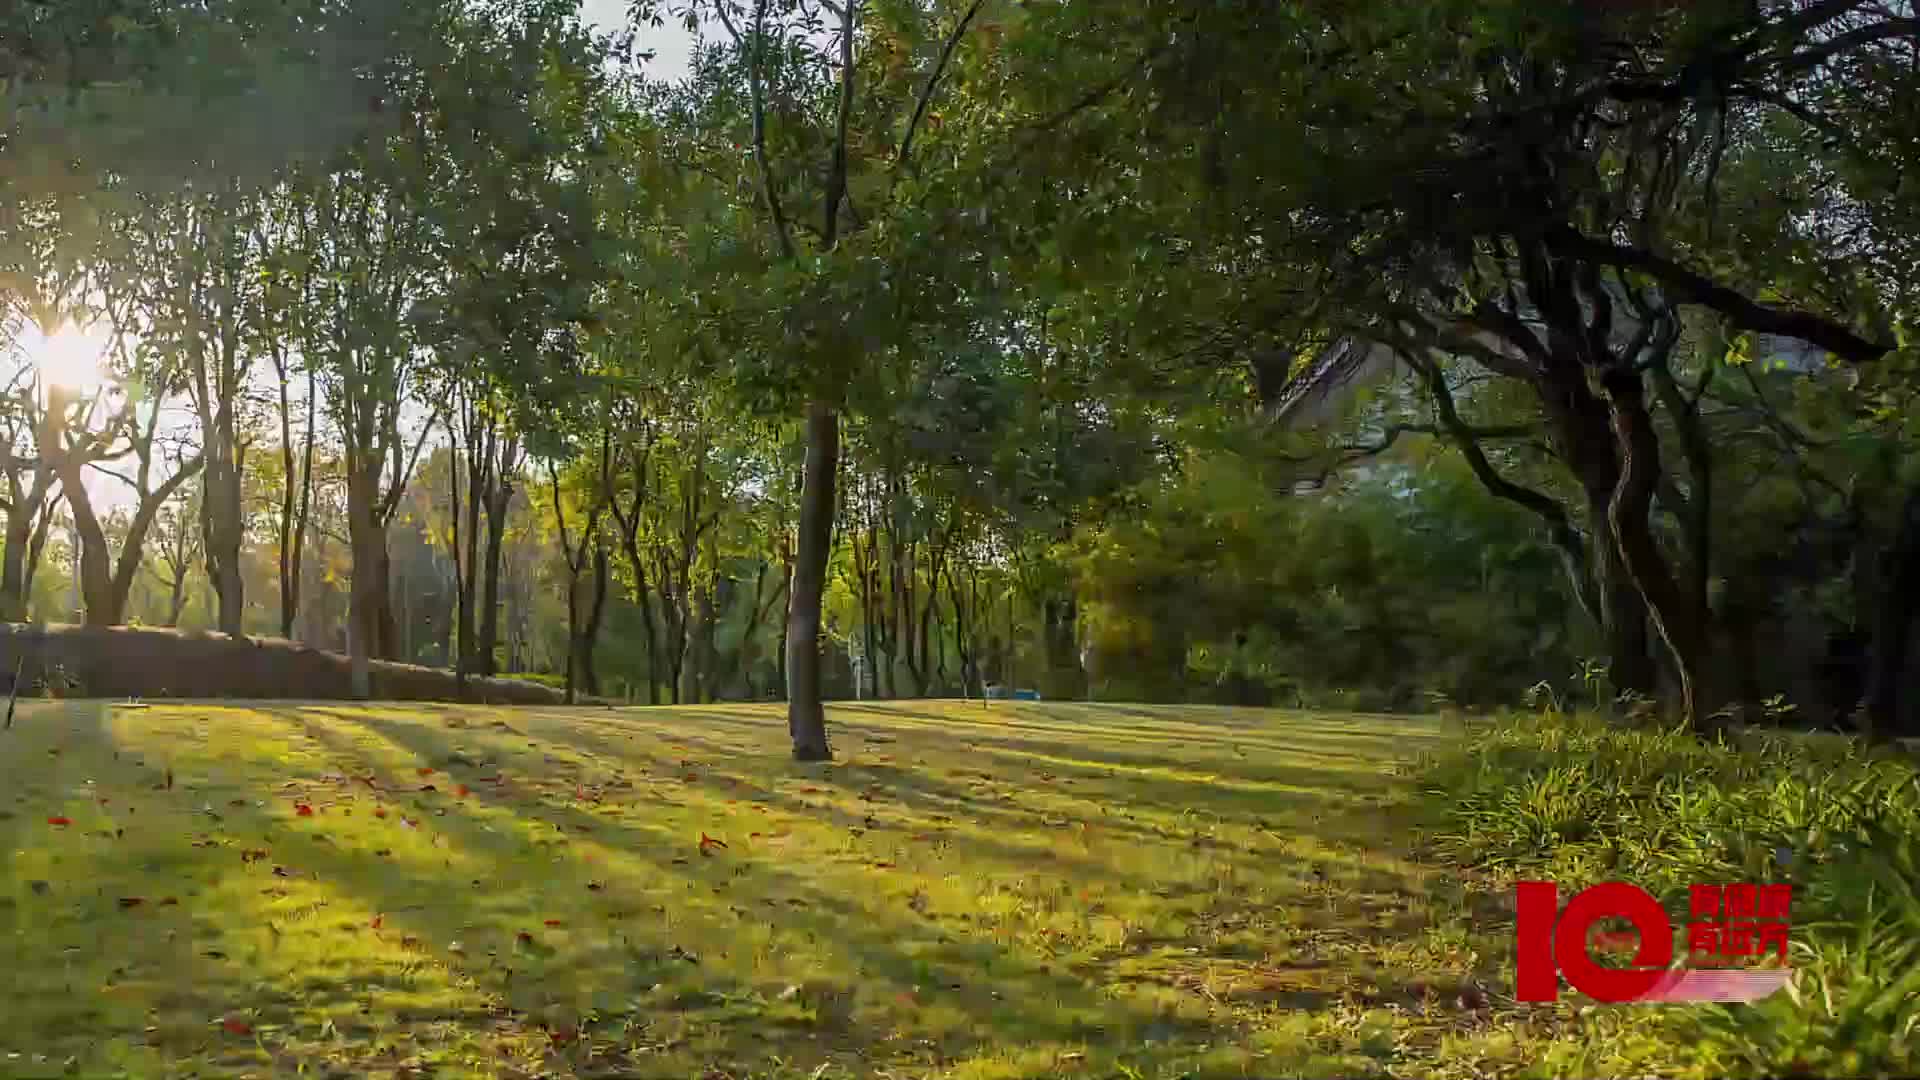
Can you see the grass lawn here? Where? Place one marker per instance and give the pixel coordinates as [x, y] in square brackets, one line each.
[972, 891]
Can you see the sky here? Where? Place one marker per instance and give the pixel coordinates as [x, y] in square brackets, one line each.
[671, 45]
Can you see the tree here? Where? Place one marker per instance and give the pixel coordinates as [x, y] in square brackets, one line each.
[1526, 193]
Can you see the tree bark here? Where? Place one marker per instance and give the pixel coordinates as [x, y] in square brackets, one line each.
[368, 542]
[1628, 514]
[806, 712]
[499, 501]
[590, 633]
[27, 514]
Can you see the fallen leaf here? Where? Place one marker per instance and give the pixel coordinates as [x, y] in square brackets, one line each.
[883, 866]
[380, 811]
[378, 921]
[236, 1027]
[131, 902]
[463, 791]
[60, 821]
[424, 771]
[554, 923]
[524, 938]
[303, 809]
[809, 791]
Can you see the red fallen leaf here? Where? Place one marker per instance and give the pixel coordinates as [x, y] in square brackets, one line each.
[131, 902]
[378, 921]
[562, 1036]
[524, 937]
[554, 923]
[753, 836]
[463, 791]
[809, 791]
[236, 1027]
[303, 809]
[424, 771]
[60, 821]
[707, 843]
[921, 837]
[883, 866]
[379, 811]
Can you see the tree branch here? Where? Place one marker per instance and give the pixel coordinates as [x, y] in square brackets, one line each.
[1691, 287]
[933, 82]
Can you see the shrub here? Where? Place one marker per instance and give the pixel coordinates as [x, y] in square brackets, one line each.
[1581, 800]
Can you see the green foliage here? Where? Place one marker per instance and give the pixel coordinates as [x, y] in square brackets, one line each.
[1396, 586]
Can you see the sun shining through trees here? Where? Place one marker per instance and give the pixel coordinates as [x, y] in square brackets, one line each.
[899, 537]
[70, 356]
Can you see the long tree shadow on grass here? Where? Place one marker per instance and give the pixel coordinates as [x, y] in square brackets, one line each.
[866, 939]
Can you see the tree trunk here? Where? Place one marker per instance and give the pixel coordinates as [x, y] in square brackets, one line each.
[573, 629]
[222, 521]
[27, 517]
[806, 712]
[368, 542]
[1887, 713]
[1671, 609]
[177, 600]
[498, 501]
[590, 633]
[96, 569]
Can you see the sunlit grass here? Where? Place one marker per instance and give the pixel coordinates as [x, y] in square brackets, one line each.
[970, 891]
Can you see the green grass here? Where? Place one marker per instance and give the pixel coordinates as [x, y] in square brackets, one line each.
[972, 891]
[1579, 799]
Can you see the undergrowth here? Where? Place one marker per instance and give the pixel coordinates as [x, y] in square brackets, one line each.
[1580, 799]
